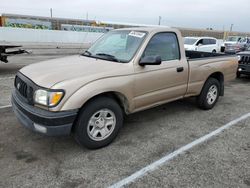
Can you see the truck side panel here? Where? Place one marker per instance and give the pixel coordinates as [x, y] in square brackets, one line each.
[201, 69]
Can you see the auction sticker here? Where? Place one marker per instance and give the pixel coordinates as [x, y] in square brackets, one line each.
[137, 34]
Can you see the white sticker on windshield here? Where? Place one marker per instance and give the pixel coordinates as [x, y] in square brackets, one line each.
[136, 34]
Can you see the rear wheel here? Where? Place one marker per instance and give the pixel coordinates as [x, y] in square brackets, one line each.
[214, 51]
[209, 94]
[98, 123]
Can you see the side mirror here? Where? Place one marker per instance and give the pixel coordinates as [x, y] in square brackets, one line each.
[150, 60]
[199, 44]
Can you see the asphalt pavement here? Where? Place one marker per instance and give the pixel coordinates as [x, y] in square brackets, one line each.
[28, 159]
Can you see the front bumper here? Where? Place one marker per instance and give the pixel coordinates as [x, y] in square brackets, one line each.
[43, 121]
[244, 69]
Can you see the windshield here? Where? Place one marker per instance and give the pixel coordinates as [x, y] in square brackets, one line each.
[119, 46]
[189, 41]
[243, 40]
[233, 39]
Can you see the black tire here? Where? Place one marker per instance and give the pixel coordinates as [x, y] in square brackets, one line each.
[81, 127]
[238, 75]
[214, 51]
[222, 49]
[202, 99]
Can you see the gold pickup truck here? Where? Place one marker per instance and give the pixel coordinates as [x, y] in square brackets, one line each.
[125, 71]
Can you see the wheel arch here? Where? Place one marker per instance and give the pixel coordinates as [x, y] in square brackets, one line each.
[120, 98]
[117, 96]
[220, 77]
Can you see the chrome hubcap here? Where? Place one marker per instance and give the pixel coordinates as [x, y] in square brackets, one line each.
[212, 94]
[101, 124]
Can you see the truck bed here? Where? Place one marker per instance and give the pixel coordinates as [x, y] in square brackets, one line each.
[197, 54]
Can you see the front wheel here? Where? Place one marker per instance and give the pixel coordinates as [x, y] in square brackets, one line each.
[209, 94]
[98, 123]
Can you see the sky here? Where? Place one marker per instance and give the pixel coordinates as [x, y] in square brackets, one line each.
[216, 14]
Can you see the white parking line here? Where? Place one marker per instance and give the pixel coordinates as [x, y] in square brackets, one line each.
[7, 106]
[153, 166]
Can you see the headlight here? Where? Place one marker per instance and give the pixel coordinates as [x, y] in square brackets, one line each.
[239, 57]
[48, 98]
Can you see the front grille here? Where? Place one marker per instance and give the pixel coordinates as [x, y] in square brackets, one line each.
[21, 86]
[245, 60]
[25, 88]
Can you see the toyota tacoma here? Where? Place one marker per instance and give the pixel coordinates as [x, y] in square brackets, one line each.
[125, 71]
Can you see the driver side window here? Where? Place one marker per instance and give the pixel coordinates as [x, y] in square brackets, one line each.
[164, 45]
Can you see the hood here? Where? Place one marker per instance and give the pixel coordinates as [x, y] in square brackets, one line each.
[244, 53]
[230, 42]
[48, 73]
[189, 47]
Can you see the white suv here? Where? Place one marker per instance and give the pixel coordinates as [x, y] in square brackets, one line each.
[203, 44]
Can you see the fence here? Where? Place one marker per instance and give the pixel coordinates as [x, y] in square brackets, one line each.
[8, 34]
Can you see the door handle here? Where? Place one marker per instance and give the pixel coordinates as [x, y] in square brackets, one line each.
[180, 69]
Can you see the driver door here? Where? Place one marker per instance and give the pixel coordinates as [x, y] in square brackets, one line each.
[155, 84]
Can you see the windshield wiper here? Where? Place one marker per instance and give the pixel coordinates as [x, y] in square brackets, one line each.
[111, 57]
[87, 53]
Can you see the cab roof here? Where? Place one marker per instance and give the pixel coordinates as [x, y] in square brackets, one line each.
[151, 29]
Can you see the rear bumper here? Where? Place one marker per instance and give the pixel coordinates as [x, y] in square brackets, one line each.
[244, 69]
[43, 121]
[231, 51]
